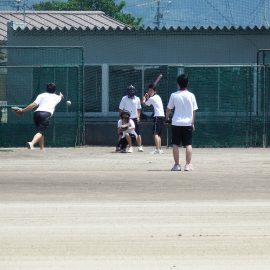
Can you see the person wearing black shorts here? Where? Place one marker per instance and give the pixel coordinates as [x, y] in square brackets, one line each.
[45, 104]
[184, 104]
[152, 98]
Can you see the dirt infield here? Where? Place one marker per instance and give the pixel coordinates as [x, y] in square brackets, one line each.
[90, 208]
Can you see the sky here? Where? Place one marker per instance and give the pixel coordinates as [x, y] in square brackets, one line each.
[202, 12]
[189, 12]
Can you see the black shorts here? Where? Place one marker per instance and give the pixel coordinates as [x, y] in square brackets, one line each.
[137, 126]
[158, 125]
[182, 135]
[42, 120]
[122, 144]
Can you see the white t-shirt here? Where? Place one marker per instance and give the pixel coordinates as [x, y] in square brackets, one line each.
[131, 105]
[157, 104]
[47, 102]
[184, 103]
[131, 127]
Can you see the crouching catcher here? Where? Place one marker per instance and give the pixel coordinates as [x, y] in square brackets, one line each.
[126, 133]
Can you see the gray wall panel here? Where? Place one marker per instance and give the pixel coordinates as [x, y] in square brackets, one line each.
[214, 48]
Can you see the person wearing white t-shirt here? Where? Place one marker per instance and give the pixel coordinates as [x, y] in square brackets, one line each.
[132, 103]
[152, 98]
[45, 104]
[126, 133]
[184, 104]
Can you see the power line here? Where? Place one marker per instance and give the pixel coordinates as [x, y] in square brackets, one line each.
[159, 12]
[254, 12]
[223, 12]
[265, 21]
[145, 3]
[7, 3]
[230, 10]
[218, 11]
[159, 9]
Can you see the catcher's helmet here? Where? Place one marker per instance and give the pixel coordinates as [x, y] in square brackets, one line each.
[131, 90]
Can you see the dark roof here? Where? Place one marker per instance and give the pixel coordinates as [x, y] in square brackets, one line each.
[57, 20]
[152, 31]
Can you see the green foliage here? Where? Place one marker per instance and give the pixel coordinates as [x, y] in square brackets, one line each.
[109, 7]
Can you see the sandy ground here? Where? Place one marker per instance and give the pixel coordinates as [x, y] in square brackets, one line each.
[90, 208]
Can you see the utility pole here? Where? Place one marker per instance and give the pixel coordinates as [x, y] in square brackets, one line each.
[18, 5]
[158, 15]
[24, 7]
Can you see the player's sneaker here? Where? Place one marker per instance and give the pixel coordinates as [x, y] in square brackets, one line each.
[118, 149]
[161, 151]
[130, 149]
[155, 152]
[30, 145]
[140, 149]
[176, 167]
[188, 168]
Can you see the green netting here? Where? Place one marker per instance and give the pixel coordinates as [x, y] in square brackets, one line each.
[233, 100]
[22, 85]
[24, 75]
[263, 58]
[93, 84]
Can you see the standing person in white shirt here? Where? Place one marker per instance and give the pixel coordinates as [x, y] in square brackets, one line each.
[132, 103]
[152, 98]
[184, 104]
[46, 104]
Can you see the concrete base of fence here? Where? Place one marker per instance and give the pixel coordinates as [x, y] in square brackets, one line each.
[105, 133]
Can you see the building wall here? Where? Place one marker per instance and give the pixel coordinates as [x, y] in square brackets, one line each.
[198, 47]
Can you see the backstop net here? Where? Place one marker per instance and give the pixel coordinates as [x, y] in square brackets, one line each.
[233, 101]
[25, 75]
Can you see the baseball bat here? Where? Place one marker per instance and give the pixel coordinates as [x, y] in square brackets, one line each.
[158, 79]
[154, 84]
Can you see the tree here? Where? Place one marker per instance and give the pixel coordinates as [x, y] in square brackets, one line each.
[109, 7]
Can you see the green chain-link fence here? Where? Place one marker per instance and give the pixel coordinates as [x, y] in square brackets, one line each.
[21, 82]
[233, 100]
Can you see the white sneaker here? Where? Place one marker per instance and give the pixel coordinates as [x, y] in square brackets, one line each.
[30, 145]
[155, 152]
[129, 150]
[188, 168]
[117, 149]
[140, 149]
[161, 151]
[176, 167]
